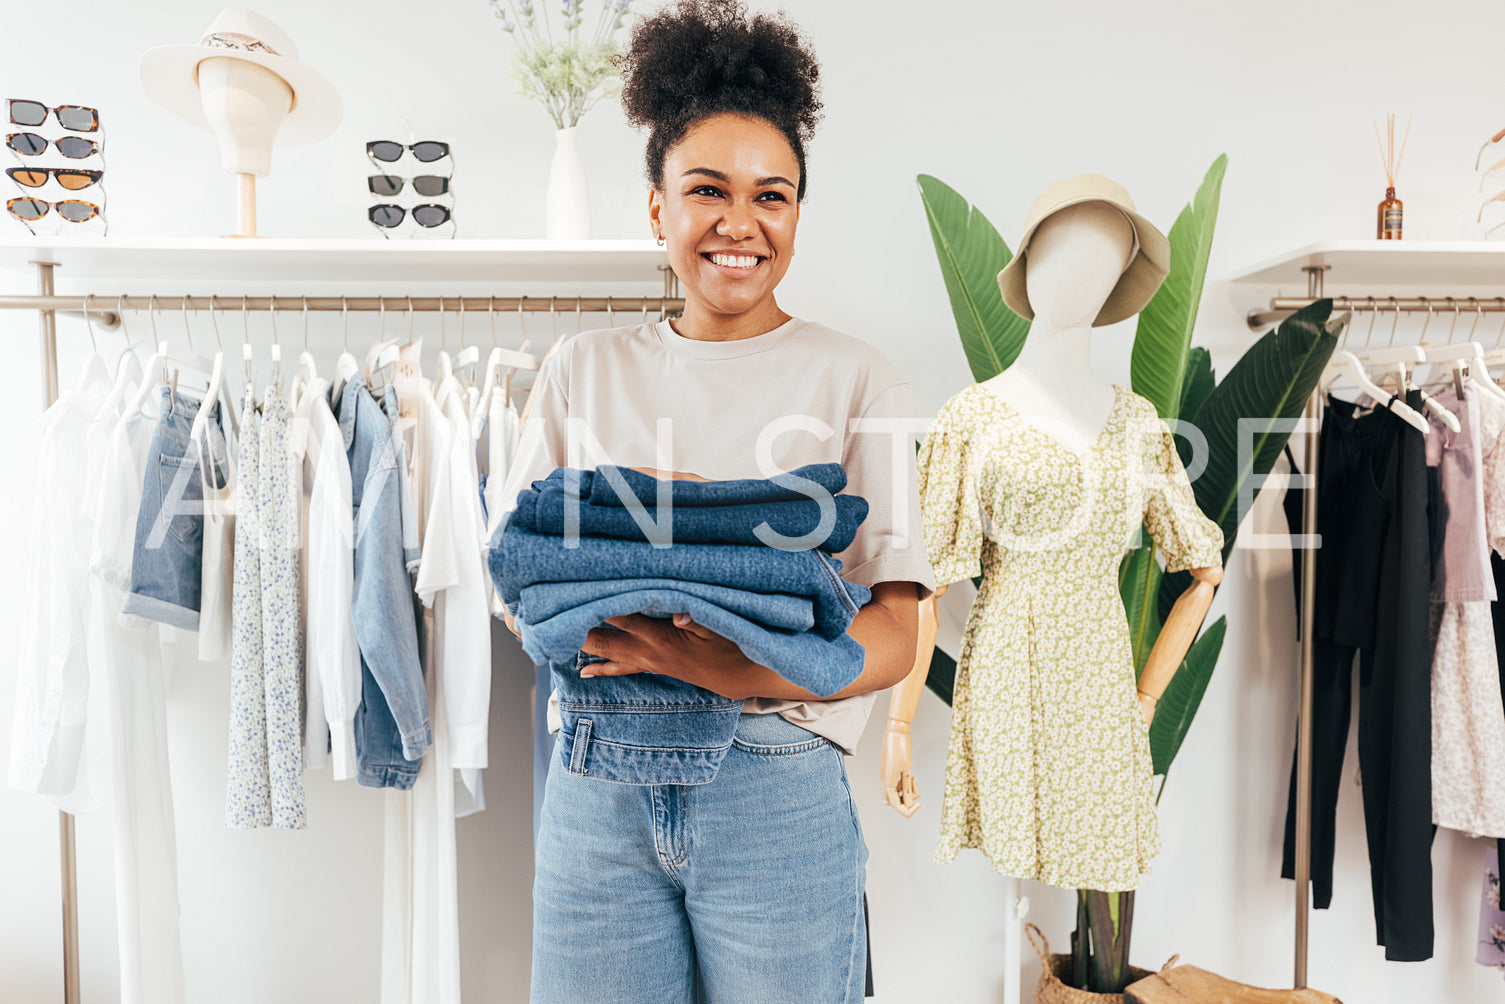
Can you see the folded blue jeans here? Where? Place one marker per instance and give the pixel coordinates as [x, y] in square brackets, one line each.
[821, 666]
[520, 557]
[647, 728]
[546, 508]
[800, 484]
[167, 562]
[543, 600]
[752, 884]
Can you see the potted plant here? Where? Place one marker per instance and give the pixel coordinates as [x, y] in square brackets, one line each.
[1272, 380]
[567, 76]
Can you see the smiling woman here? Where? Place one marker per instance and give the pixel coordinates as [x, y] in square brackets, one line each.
[748, 882]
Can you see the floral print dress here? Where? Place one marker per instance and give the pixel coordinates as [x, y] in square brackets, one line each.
[1049, 770]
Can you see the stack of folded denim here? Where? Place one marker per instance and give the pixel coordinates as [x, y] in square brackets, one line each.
[749, 559]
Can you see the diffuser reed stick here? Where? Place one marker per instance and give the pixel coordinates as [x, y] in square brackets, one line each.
[1391, 210]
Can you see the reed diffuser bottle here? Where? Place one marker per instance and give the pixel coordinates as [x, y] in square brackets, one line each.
[1391, 210]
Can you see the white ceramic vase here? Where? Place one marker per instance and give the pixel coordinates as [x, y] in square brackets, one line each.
[569, 205]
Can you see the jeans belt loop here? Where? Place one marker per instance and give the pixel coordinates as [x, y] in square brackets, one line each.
[579, 746]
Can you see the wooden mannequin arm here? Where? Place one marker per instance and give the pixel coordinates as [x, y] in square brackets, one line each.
[1176, 635]
[899, 789]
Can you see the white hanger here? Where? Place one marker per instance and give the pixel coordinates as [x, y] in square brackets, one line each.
[1345, 364]
[128, 372]
[216, 392]
[446, 368]
[1395, 357]
[144, 389]
[513, 359]
[346, 366]
[384, 353]
[1468, 357]
[94, 369]
[307, 371]
[468, 355]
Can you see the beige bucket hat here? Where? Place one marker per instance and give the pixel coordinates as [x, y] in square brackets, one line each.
[1137, 285]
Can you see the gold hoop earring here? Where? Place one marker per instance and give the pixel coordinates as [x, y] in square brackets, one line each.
[660, 240]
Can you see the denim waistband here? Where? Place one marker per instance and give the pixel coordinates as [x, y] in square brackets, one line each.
[601, 486]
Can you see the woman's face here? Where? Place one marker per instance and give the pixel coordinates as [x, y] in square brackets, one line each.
[727, 212]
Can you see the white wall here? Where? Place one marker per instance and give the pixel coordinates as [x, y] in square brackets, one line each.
[997, 100]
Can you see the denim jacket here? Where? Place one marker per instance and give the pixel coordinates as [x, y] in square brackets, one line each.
[392, 728]
[651, 729]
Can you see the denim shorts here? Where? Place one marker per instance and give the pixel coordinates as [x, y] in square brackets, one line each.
[167, 563]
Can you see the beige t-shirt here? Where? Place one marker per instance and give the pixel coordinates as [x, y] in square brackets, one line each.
[800, 389]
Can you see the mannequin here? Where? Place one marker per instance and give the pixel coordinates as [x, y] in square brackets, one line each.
[245, 104]
[1075, 259]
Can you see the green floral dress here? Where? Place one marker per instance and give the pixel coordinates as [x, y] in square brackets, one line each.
[1049, 771]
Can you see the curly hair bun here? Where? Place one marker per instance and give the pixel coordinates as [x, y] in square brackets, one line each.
[700, 58]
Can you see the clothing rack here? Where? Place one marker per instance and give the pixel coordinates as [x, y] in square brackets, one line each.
[104, 312]
[1469, 308]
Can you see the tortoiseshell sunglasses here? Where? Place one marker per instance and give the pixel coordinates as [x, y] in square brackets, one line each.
[33, 113]
[71, 178]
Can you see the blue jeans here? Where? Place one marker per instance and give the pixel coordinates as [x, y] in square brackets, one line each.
[802, 657]
[753, 882]
[545, 508]
[167, 563]
[519, 558]
[800, 484]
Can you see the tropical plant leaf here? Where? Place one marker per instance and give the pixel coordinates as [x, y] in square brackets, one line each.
[1196, 386]
[1138, 586]
[1270, 381]
[1178, 705]
[1158, 365]
[971, 252]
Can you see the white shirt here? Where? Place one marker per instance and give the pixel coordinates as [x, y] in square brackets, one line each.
[334, 660]
[52, 668]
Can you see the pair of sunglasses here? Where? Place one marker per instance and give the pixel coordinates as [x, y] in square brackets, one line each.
[29, 144]
[424, 184]
[34, 113]
[71, 178]
[387, 151]
[72, 210]
[389, 215]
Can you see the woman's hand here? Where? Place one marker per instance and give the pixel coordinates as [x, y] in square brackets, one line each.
[682, 649]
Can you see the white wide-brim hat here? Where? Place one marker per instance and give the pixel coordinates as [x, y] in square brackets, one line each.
[170, 74]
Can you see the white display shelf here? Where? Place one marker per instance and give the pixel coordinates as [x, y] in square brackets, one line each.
[1385, 263]
[264, 260]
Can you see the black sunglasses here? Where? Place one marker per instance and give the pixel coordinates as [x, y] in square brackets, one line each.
[29, 144]
[72, 210]
[71, 178]
[424, 184]
[387, 151]
[389, 215]
[34, 113]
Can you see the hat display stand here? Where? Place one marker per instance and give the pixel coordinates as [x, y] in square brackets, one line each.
[54, 223]
[245, 104]
[243, 82]
[408, 167]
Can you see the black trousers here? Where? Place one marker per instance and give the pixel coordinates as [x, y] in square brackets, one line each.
[1376, 511]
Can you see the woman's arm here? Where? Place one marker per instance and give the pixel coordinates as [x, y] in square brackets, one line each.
[886, 627]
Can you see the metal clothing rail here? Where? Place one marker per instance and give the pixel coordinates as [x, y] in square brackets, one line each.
[1282, 307]
[104, 312]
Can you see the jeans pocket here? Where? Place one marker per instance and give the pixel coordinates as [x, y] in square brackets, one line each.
[182, 500]
[812, 745]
